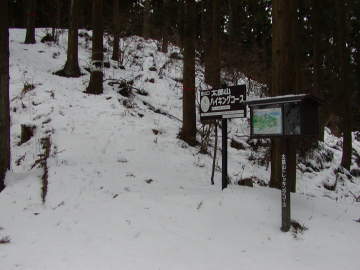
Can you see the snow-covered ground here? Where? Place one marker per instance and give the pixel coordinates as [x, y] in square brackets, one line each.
[125, 193]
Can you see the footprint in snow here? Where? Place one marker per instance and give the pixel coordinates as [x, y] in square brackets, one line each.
[122, 160]
[149, 181]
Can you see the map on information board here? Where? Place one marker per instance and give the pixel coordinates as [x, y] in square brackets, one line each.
[267, 121]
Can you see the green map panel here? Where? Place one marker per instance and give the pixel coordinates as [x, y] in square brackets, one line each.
[267, 121]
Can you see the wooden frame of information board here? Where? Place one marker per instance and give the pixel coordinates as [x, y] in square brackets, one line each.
[284, 117]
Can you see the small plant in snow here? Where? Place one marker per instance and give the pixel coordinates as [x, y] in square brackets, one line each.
[297, 229]
[205, 133]
[5, 240]
[27, 87]
[176, 56]
[199, 163]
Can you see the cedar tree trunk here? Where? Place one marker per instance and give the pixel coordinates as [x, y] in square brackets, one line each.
[343, 82]
[30, 22]
[165, 26]
[212, 59]
[96, 77]
[146, 19]
[71, 68]
[4, 94]
[116, 29]
[188, 132]
[283, 74]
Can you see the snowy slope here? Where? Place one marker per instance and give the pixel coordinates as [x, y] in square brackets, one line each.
[125, 193]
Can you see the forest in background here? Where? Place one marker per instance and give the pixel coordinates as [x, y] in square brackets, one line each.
[291, 47]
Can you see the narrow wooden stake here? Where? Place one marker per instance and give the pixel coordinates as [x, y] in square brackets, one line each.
[224, 154]
[285, 190]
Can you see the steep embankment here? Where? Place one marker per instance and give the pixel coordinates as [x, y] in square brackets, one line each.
[124, 192]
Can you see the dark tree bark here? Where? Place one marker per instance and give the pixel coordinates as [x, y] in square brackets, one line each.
[297, 85]
[57, 20]
[298, 46]
[180, 16]
[96, 77]
[71, 68]
[146, 19]
[188, 132]
[207, 24]
[343, 55]
[30, 22]
[212, 53]
[4, 94]
[116, 30]
[316, 20]
[316, 6]
[165, 26]
[283, 74]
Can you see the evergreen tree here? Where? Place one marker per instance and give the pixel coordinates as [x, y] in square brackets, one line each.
[71, 68]
[4, 94]
[165, 26]
[212, 50]
[343, 56]
[188, 132]
[146, 19]
[283, 78]
[96, 77]
[30, 22]
[116, 30]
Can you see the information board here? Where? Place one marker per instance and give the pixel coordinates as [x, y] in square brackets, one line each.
[267, 121]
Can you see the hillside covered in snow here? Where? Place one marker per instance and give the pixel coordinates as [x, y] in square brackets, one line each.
[104, 182]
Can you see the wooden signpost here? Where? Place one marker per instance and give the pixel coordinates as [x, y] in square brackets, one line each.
[284, 117]
[223, 104]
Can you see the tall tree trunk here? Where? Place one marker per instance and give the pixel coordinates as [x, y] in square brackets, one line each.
[283, 74]
[71, 68]
[116, 30]
[215, 46]
[343, 55]
[297, 86]
[30, 22]
[165, 26]
[297, 37]
[181, 22]
[57, 20]
[316, 9]
[212, 49]
[4, 94]
[96, 77]
[58, 13]
[316, 6]
[231, 17]
[208, 40]
[146, 19]
[188, 132]
[83, 18]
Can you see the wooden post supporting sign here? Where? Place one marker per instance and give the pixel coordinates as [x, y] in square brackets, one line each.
[224, 154]
[285, 189]
[223, 103]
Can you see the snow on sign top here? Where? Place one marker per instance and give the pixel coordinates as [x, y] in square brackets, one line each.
[282, 99]
[221, 103]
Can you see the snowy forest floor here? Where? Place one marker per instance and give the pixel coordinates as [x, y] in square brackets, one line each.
[124, 193]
